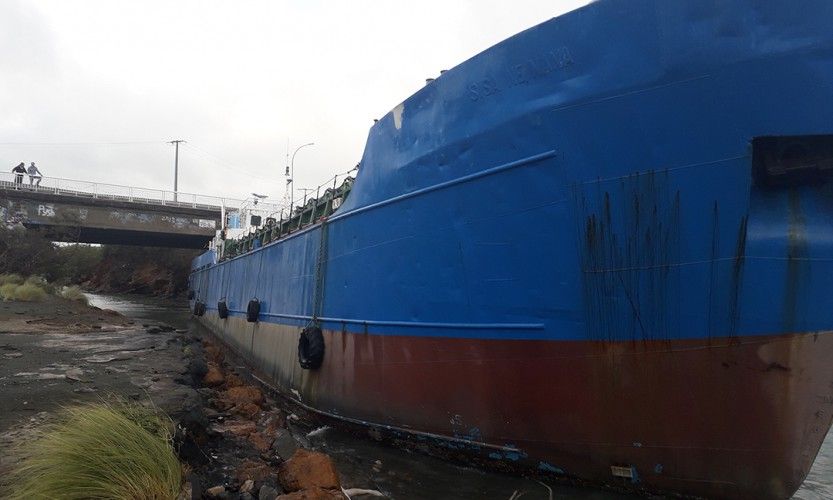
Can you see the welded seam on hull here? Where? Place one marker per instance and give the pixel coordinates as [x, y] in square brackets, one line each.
[668, 169]
[640, 90]
[483, 173]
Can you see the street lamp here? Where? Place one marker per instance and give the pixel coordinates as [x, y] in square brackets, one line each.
[290, 171]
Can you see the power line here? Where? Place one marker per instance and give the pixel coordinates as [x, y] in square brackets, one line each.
[223, 163]
[217, 158]
[114, 143]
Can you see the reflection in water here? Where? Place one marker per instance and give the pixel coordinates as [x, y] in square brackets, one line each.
[403, 474]
[145, 308]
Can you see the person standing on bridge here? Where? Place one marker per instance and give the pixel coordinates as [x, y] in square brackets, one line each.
[34, 175]
[18, 173]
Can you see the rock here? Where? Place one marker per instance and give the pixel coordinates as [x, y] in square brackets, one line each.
[260, 442]
[273, 425]
[247, 486]
[312, 494]
[216, 492]
[83, 390]
[196, 368]
[252, 469]
[196, 485]
[351, 492]
[153, 330]
[238, 428]
[267, 493]
[234, 380]
[284, 445]
[242, 395]
[213, 353]
[74, 374]
[214, 376]
[245, 496]
[249, 410]
[206, 391]
[308, 469]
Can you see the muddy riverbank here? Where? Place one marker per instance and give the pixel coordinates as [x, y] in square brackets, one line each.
[57, 353]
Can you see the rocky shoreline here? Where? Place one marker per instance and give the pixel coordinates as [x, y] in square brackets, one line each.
[245, 447]
[236, 442]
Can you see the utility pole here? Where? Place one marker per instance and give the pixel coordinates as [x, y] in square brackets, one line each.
[290, 171]
[176, 165]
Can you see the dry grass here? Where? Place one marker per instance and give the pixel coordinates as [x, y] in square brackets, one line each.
[11, 278]
[7, 291]
[28, 292]
[33, 289]
[41, 282]
[100, 450]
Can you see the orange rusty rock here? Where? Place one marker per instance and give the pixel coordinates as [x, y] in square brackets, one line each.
[214, 376]
[213, 353]
[242, 395]
[308, 469]
[234, 380]
[260, 442]
[248, 410]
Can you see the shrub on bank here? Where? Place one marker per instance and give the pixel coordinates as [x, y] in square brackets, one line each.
[14, 279]
[100, 450]
[41, 282]
[7, 291]
[74, 293]
[28, 292]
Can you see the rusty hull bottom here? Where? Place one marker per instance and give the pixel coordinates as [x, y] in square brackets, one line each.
[722, 418]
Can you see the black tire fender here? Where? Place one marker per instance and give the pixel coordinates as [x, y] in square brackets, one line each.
[222, 309]
[253, 311]
[311, 348]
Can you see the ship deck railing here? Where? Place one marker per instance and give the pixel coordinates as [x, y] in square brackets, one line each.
[311, 210]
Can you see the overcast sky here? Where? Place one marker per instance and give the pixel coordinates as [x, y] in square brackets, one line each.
[93, 89]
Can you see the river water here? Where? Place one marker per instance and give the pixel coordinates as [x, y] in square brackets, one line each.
[407, 475]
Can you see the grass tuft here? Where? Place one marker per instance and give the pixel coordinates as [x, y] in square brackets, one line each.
[41, 282]
[7, 291]
[11, 278]
[28, 292]
[74, 293]
[100, 450]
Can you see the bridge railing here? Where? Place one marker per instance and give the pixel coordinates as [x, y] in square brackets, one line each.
[97, 190]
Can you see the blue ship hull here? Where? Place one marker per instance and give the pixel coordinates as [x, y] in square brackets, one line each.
[602, 247]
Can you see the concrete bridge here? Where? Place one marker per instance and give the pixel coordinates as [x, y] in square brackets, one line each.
[85, 212]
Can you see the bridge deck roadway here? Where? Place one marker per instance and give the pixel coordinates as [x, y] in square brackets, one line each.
[84, 217]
